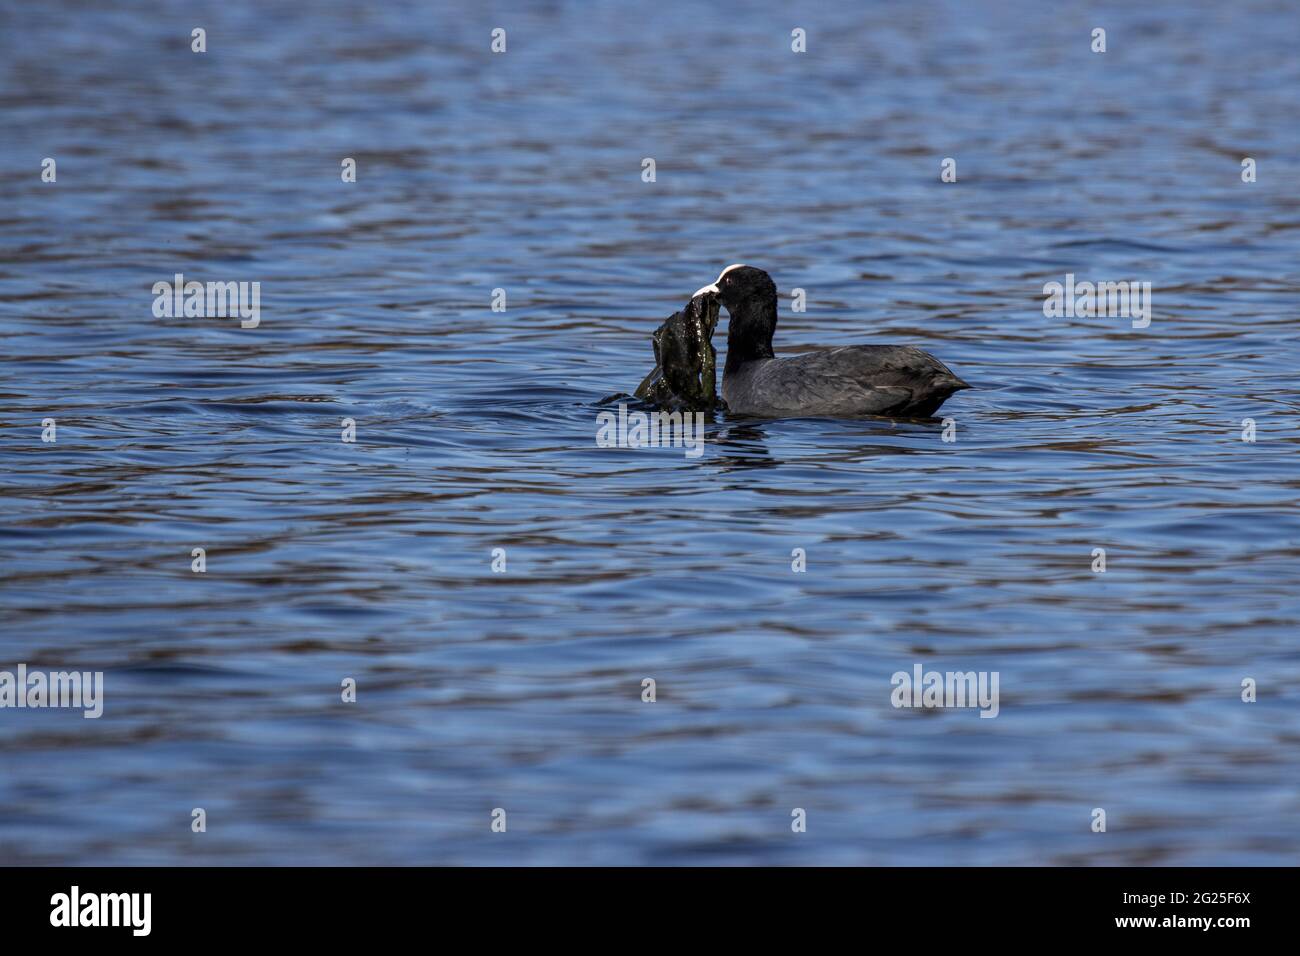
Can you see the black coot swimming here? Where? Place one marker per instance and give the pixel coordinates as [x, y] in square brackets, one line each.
[891, 380]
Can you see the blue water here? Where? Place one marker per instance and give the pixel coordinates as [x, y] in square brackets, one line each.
[521, 690]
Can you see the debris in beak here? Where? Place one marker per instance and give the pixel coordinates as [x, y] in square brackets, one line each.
[685, 372]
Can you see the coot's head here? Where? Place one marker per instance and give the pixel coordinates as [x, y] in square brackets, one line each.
[739, 284]
[750, 297]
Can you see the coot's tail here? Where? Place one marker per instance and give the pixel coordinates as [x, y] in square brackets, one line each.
[939, 390]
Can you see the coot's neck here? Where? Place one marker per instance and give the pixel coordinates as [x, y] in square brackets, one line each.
[749, 331]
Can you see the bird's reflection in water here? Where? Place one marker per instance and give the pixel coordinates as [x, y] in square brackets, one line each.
[741, 445]
[745, 443]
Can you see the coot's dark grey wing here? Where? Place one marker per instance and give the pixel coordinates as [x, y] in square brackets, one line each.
[856, 380]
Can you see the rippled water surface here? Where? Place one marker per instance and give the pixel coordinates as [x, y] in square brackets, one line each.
[475, 431]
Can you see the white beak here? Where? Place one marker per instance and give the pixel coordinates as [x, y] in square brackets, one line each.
[714, 288]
